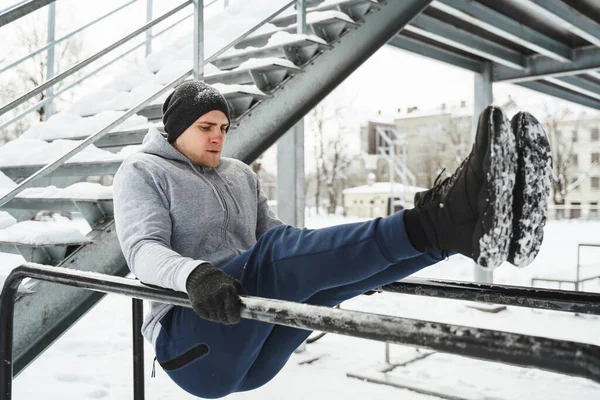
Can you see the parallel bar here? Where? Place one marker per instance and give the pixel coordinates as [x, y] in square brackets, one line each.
[571, 358]
[138, 349]
[20, 10]
[561, 93]
[50, 59]
[60, 77]
[584, 59]
[561, 14]
[450, 35]
[519, 296]
[437, 53]
[499, 24]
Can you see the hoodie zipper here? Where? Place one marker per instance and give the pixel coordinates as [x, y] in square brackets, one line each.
[221, 199]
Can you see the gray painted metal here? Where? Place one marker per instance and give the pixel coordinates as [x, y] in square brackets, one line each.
[499, 24]
[50, 57]
[561, 93]
[578, 84]
[267, 78]
[585, 59]
[564, 16]
[60, 77]
[258, 130]
[198, 39]
[65, 170]
[149, 4]
[356, 9]
[52, 254]
[290, 176]
[17, 11]
[437, 53]
[42, 318]
[450, 35]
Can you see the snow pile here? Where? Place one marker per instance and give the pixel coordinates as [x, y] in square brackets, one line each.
[6, 182]
[40, 152]
[69, 125]
[59, 230]
[6, 220]
[283, 37]
[226, 89]
[85, 190]
[133, 76]
[261, 62]
[318, 16]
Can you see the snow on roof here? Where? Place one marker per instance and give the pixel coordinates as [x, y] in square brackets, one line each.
[56, 231]
[382, 188]
[6, 220]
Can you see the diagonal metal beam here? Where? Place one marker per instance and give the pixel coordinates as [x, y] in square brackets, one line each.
[17, 11]
[561, 14]
[578, 84]
[585, 59]
[505, 27]
[561, 93]
[450, 35]
[435, 52]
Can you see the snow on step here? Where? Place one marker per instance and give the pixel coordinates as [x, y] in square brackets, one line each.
[283, 37]
[175, 69]
[227, 89]
[6, 220]
[318, 16]
[262, 62]
[38, 233]
[6, 183]
[77, 191]
[133, 76]
[66, 125]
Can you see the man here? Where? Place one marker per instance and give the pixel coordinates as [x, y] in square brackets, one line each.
[191, 221]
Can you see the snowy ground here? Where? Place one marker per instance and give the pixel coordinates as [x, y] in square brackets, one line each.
[93, 360]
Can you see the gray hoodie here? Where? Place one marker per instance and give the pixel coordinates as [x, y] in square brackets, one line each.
[172, 215]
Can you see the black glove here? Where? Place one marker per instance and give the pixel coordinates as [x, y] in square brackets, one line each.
[214, 294]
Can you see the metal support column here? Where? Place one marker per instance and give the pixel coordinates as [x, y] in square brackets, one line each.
[149, 31]
[226, 3]
[50, 62]
[138, 349]
[198, 39]
[483, 97]
[290, 160]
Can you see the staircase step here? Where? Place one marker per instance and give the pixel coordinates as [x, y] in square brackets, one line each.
[51, 254]
[94, 211]
[18, 173]
[299, 51]
[356, 9]
[266, 77]
[329, 29]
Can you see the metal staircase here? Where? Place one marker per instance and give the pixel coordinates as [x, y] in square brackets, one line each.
[288, 80]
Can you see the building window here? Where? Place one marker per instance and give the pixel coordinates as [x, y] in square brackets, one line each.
[595, 134]
[574, 136]
[574, 160]
[595, 158]
[594, 208]
[595, 181]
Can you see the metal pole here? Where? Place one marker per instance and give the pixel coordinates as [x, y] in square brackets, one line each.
[483, 97]
[226, 3]
[50, 61]
[578, 261]
[138, 349]
[301, 12]
[149, 31]
[7, 310]
[19, 10]
[198, 39]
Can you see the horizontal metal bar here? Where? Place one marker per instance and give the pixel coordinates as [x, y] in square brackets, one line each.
[519, 296]
[66, 169]
[561, 93]
[60, 77]
[67, 36]
[505, 27]
[584, 59]
[435, 52]
[571, 358]
[450, 35]
[19, 10]
[578, 84]
[92, 73]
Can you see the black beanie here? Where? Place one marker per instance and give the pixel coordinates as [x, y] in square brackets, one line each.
[188, 102]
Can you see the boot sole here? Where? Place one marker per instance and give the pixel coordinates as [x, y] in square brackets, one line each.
[497, 199]
[532, 189]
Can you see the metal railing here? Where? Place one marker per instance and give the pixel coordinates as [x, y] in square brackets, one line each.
[571, 358]
[198, 27]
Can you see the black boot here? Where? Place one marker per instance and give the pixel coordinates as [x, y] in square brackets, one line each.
[532, 188]
[471, 212]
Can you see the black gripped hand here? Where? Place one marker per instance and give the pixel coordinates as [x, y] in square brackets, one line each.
[214, 294]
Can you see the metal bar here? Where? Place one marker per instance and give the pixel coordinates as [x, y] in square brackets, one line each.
[499, 24]
[93, 73]
[198, 39]
[450, 35]
[301, 17]
[20, 10]
[7, 312]
[50, 58]
[19, 61]
[578, 84]
[561, 93]
[565, 16]
[89, 60]
[519, 296]
[138, 349]
[149, 31]
[570, 358]
[93, 138]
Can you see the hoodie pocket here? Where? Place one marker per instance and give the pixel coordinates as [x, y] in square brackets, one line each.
[195, 353]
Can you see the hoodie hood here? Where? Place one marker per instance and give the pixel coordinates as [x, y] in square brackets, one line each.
[155, 143]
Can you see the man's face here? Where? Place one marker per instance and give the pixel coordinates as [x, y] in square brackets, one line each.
[203, 141]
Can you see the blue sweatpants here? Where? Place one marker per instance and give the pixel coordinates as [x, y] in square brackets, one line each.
[320, 267]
